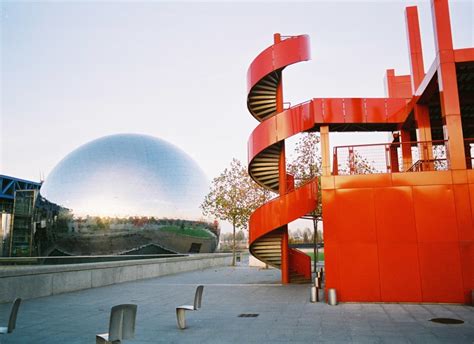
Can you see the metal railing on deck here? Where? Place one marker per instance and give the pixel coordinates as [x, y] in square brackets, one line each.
[469, 152]
[392, 157]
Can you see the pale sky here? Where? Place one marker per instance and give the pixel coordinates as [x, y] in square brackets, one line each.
[72, 72]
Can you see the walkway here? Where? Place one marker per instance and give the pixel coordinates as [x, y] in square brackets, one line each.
[284, 314]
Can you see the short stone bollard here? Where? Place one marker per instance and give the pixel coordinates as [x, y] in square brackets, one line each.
[332, 297]
[314, 296]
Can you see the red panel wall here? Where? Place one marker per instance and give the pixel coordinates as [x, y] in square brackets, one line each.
[399, 237]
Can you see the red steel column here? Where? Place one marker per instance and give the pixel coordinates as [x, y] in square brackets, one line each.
[285, 258]
[448, 87]
[422, 115]
[393, 148]
[325, 158]
[406, 149]
[405, 134]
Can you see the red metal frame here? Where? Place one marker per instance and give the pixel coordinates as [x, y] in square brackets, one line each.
[392, 236]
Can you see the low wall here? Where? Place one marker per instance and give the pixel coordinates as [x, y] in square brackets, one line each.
[36, 281]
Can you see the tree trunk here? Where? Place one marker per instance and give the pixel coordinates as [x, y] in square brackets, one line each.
[233, 243]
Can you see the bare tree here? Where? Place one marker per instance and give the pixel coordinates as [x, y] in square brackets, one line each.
[305, 166]
[233, 197]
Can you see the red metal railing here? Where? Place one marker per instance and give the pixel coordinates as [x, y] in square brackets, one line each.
[300, 263]
[469, 152]
[412, 156]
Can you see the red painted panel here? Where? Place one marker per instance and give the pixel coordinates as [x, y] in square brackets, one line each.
[355, 216]
[318, 110]
[422, 178]
[288, 51]
[435, 213]
[260, 67]
[300, 262]
[459, 176]
[441, 277]
[471, 197]
[395, 217]
[467, 264]
[470, 176]
[376, 110]
[358, 272]
[283, 210]
[399, 272]
[333, 110]
[331, 217]
[397, 109]
[463, 212]
[354, 110]
[331, 263]
[291, 50]
[262, 137]
[289, 123]
[363, 181]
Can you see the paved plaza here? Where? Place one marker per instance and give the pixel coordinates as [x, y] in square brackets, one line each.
[284, 314]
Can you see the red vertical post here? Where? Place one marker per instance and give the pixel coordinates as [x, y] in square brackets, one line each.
[422, 115]
[394, 165]
[406, 149]
[325, 158]
[285, 258]
[448, 87]
[405, 134]
[414, 46]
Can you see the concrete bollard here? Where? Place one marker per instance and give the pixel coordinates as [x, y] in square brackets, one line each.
[314, 297]
[332, 297]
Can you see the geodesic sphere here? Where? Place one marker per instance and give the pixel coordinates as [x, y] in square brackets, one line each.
[128, 175]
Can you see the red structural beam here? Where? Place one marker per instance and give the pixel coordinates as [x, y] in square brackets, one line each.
[464, 55]
[326, 111]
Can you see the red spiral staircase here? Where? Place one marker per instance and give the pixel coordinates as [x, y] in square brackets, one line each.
[268, 232]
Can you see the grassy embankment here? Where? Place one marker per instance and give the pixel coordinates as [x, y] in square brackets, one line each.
[198, 232]
[320, 255]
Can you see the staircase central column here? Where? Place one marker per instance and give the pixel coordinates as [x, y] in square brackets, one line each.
[285, 258]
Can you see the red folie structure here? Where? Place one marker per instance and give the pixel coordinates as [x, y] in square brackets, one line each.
[401, 230]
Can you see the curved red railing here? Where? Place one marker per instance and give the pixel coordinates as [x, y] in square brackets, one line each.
[267, 223]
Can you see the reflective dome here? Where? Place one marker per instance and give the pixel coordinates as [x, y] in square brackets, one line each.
[128, 175]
